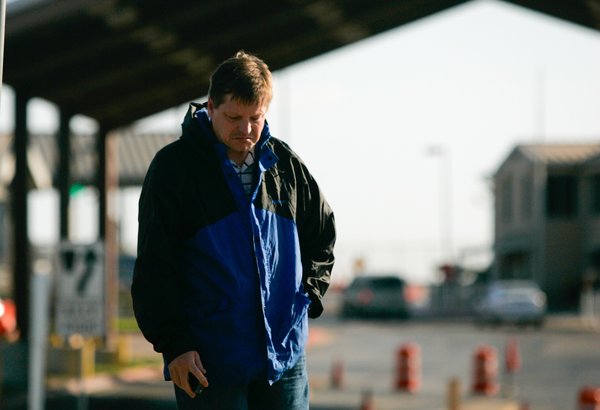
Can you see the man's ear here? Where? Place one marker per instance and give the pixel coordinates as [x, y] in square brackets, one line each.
[210, 107]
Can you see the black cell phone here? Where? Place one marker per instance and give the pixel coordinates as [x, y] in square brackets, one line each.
[197, 388]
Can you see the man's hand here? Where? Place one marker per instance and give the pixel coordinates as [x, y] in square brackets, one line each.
[182, 366]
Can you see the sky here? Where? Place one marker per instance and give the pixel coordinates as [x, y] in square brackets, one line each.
[404, 130]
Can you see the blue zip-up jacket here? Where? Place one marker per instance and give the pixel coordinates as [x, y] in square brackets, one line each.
[230, 277]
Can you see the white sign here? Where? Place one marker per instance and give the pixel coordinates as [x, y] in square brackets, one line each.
[80, 289]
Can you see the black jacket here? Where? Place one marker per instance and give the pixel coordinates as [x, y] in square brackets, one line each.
[230, 277]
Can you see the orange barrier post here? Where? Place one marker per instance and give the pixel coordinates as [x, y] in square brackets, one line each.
[337, 374]
[512, 362]
[408, 368]
[367, 402]
[485, 370]
[589, 398]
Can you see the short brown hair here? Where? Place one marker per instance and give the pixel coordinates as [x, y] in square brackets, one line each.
[246, 77]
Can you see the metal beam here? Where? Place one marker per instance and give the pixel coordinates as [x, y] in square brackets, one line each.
[30, 15]
[2, 29]
[21, 247]
[64, 171]
[107, 185]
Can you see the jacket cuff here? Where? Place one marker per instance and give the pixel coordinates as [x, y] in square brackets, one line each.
[316, 306]
[315, 309]
[180, 345]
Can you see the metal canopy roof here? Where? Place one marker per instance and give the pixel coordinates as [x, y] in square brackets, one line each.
[121, 60]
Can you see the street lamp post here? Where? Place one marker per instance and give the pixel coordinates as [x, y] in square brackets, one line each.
[445, 201]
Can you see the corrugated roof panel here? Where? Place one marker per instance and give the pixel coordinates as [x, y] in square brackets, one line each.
[119, 61]
[135, 152]
[561, 154]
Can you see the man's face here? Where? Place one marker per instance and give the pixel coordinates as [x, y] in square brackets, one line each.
[237, 125]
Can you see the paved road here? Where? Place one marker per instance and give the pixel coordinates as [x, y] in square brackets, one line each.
[557, 362]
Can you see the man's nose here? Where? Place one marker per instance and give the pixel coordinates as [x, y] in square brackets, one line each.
[245, 127]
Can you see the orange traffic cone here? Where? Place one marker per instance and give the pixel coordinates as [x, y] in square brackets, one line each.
[408, 368]
[589, 398]
[485, 370]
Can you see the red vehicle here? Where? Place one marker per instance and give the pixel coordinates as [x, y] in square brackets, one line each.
[8, 317]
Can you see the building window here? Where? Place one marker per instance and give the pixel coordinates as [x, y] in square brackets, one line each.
[527, 198]
[595, 194]
[561, 196]
[506, 199]
[515, 265]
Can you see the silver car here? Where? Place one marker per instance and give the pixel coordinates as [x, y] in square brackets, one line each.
[518, 302]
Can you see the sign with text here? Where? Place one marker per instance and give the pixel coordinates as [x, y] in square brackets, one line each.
[80, 290]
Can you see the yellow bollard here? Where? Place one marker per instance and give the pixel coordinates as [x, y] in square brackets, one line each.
[454, 394]
[124, 355]
[87, 358]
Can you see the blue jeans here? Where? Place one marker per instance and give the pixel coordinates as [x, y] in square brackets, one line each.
[288, 393]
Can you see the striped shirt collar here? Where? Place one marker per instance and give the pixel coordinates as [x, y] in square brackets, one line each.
[248, 162]
[245, 172]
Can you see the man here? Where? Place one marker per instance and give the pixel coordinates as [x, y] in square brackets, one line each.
[235, 251]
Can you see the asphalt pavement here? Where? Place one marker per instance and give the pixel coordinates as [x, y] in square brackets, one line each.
[142, 387]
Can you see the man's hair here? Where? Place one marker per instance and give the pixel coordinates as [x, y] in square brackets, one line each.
[246, 77]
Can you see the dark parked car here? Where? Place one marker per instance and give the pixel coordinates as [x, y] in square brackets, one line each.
[375, 296]
[517, 302]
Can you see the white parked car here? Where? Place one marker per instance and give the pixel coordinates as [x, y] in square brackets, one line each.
[518, 302]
